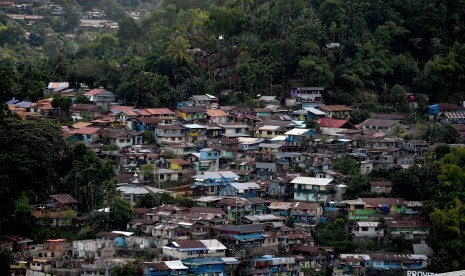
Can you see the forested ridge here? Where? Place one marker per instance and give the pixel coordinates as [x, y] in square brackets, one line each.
[358, 50]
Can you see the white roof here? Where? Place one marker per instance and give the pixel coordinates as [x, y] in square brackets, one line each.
[312, 181]
[357, 256]
[268, 127]
[213, 244]
[271, 146]
[138, 190]
[175, 265]
[279, 138]
[245, 186]
[216, 175]
[333, 131]
[261, 218]
[230, 260]
[297, 131]
[194, 126]
[127, 234]
[367, 223]
[314, 111]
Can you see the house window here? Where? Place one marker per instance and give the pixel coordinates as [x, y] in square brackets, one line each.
[364, 229]
[209, 154]
[212, 189]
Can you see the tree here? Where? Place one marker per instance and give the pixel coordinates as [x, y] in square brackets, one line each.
[6, 259]
[23, 218]
[31, 158]
[148, 137]
[120, 213]
[346, 165]
[147, 201]
[358, 116]
[179, 50]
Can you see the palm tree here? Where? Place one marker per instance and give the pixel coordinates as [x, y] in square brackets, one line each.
[180, 50]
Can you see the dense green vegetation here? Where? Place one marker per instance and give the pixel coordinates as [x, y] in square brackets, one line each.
[180, 48]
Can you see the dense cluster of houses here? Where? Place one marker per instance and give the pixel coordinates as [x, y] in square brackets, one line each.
[260, 180]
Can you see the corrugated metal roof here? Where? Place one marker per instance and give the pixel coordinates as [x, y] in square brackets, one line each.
[297, 131]
[311, 181]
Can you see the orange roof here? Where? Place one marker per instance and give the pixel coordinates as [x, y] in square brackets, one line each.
[94, 92]
[122, 107]
[179, 161]
[335, 108]
[81, 124]
[160, 111]
[86, 130]
[216, 113]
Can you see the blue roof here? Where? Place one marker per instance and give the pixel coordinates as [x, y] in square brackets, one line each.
[247, 237]
[12, 101]
[24, 104]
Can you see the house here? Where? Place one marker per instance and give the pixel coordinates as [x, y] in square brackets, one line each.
[244, 189]
[134, 191]
[453, 117]
[184, 249]
[80, 111]
[300, 212]
[380, 187]
[313, 189]
[56, 218]
[241, 236]
[268, 151]
[217, 116]
[334, 123]
[232, 130]
[93, 249]
[166, 175]
[269, 131]
[398, 261]
[18, 243]
[49, 253]
[209, 159]
[168, 134]
[55, 87]
[196, 133]
[408, 228]
[165, 115]
[307, 94]
[461, 129]
[268, 100]
[270, 265]
[168, 268]
[101, 97]
[366, 229]
[298, 136]
[212, 266]
[354, 264]
[266, 170]
[336, 111]
[374, 208]
[88, 134]
[379, 124]
[178, 164]
[61, 201]
[191, 113]
[209, 183]
[204, 100]
[236, 208]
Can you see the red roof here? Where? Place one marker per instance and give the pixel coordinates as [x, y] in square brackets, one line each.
[328, 122]
[190, 244]
[381, 183]
[94, 92]
[86, 130]
[64, 198]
